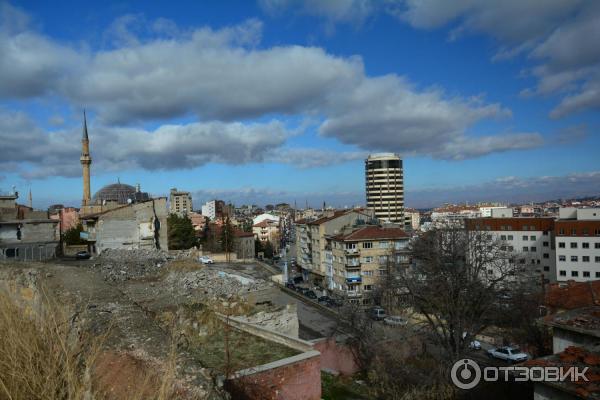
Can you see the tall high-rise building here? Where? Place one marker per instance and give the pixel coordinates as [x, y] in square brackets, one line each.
[384, 180]
[86, 161]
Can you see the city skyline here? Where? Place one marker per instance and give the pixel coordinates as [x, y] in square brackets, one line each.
[301, 96]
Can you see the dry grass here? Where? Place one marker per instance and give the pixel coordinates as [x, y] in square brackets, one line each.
[43, 357]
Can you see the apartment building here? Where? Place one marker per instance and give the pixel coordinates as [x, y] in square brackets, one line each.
[362, 257]
[578, 244]
[385, 186]
[180, 203]
[412, 219]
[530, 239]
[267, 231]
[311, 240]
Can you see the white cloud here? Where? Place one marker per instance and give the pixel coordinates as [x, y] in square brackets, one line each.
[558, 35]
[224, 75]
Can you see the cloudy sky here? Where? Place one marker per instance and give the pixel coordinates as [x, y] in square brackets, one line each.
[281, 100]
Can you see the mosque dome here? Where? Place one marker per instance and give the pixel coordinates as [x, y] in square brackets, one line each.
[119, 193]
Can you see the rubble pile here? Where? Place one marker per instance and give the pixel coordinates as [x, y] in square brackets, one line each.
[215, 284]
[122, 265]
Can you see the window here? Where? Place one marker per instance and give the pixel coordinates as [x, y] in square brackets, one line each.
[574, 258]
[597, 274]
[525, 237]
[525, 248]
[367, 273]
[545, 233]
[510, 237]
[533, 248]
[562, 273]
[597, 245]
[383, 245]
[561, 231]
[532, 237]
[586, 274]
[368, 259]
[383, 259]
[546, 244]
[573, 231]
[574, 273]
[367, 288]
[367, 245]
[585, 258]
[597, 259]
[597, 231]
[585, 245]
[510, 248]
[585, 232]
[562, 258]
[561, 245]
[525, 227]
[546, 268]
[573, 245]
[502, 237]
[532, 228]
[546, 255]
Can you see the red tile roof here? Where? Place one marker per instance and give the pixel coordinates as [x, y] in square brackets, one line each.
[570, 295]
[265, 223]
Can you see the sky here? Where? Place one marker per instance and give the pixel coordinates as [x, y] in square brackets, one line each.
[282, 100]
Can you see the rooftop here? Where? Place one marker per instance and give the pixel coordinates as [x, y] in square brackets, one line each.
[577, 357]
[585, 320]
[373, 232]
[571, 295]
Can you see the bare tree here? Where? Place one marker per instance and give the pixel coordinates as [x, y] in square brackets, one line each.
[454, 283]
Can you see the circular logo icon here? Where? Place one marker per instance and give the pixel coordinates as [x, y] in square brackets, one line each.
[465, 374]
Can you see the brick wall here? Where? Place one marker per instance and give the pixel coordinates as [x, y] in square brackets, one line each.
[298, 380]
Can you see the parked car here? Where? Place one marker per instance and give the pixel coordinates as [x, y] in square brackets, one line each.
[206, 260]
[475, 345]
[82, 255]
[394, 320]
[324, 300]
[377, 313]
[298, 279]
[311, 295]
[302, 290]
[290, 285]
[508, 353]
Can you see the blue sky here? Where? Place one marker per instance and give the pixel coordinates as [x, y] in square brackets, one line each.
[281, 100]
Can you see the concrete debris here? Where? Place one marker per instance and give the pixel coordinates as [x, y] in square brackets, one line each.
[215, 284]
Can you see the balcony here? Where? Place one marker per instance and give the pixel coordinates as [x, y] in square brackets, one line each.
[352, 264]
[351, 252]
[353, 293]
[353, 279]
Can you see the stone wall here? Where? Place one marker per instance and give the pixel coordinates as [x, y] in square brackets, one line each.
[284, 321]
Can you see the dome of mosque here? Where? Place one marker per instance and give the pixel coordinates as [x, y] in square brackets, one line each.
[118, 192]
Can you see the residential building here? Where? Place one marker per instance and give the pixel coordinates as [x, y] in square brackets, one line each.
[311, 239]
[486, 211]
[530, 239]
[384, 181]
[131, 226]
[575, 338]
[209, 209]
[364, 256]
[180, 202]
[502, 212]
[267, 231]
[578, 244]
[265, 216]
[412, 219]
[453, 214]
[26, 234]
[243, 245]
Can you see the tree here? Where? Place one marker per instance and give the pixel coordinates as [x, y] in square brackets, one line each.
[180, 232]
[72, 235]
[268, 249]
[455, 282]
[258, 247]
[227, 236]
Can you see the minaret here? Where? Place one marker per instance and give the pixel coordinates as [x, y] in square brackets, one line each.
[86, 160]
[30, 199]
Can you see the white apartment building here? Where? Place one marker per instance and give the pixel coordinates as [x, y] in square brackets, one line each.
[486, 211]
[530, 239]
[209, 209]
[578, 244]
